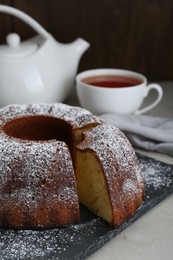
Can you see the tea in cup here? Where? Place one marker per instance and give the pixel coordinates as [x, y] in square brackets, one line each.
[115, 90]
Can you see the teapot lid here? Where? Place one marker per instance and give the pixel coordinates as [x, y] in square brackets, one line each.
[15, 49]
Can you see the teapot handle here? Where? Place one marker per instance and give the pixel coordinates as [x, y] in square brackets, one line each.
[26, 18]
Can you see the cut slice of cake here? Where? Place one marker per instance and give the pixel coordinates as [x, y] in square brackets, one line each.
[108, 176]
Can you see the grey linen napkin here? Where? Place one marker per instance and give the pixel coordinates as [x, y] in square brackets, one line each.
[146, 132]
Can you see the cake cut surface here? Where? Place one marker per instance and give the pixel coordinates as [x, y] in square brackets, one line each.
[50, 154]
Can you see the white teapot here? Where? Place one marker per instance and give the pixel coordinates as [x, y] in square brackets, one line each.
[39, 69]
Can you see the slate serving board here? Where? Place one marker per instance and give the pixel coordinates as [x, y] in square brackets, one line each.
[81, 240]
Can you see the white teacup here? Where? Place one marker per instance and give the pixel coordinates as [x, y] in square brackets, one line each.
[114, 90]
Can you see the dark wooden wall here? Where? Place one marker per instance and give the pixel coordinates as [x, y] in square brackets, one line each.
[130, 34]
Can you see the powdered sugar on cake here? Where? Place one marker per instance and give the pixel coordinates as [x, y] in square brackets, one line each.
[77, 116]
[16, 164]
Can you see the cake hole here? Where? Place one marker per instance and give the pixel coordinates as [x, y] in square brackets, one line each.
[39, 128]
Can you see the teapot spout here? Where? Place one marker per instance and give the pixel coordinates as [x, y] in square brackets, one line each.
[80, 45]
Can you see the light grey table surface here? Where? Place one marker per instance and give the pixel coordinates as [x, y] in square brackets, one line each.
[150, 237]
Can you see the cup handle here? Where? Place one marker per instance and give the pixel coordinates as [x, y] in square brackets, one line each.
[159, 90]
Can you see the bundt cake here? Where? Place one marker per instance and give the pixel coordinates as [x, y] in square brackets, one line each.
[50, 153]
